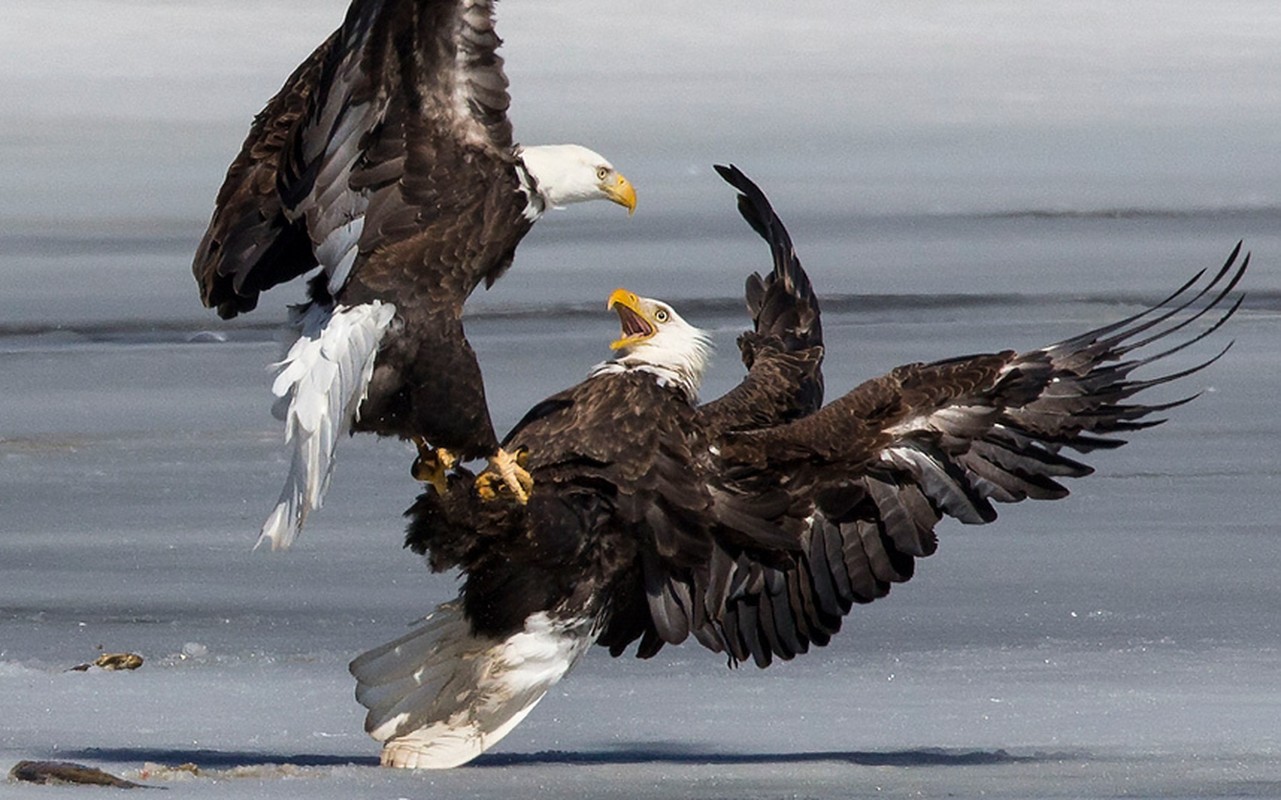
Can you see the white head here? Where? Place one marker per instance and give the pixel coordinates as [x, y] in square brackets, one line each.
[570, 173]
[656, 339]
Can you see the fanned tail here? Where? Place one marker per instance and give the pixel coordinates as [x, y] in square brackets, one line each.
[321, 385]
[441, 695]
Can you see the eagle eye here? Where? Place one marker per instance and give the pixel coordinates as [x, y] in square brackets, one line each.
[602, 173]
[660, 315]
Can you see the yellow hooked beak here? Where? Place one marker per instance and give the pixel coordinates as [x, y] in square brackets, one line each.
[621, 191]
[635, 322]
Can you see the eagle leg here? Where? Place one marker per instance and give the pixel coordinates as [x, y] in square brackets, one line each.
[432, 464]
[506, 471]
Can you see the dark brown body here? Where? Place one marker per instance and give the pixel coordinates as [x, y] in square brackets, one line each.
[757, 521]
[397, 121]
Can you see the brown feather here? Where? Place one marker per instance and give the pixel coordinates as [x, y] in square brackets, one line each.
[396, 123]
[757, 521]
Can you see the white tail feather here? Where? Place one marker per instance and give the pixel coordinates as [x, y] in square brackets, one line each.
[440, 695]
[321, 384]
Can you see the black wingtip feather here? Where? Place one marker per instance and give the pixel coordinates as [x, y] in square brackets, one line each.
[791, 310]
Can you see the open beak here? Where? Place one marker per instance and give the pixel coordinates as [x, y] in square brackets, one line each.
[622, 192]
[635, 323]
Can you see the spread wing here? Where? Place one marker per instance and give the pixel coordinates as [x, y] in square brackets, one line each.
[783, 352]
[696, 527]
[756, 522]
[879, 467]
[370, 138]
[250, 244]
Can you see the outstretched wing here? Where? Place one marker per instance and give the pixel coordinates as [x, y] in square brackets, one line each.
[362, 147]
[251, 245]
[879, 467]
[783, 352]
[679, 591]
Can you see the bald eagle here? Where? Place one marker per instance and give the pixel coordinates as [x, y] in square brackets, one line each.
[387, 161]
[753, 522]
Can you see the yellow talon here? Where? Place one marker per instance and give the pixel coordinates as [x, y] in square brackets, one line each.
[485, 486]
[432, 465]
[506, 473]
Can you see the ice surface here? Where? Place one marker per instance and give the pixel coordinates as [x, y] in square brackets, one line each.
[990, 104]
[1124, 641]
[1071, 159]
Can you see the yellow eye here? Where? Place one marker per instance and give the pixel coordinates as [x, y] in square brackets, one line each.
[660, 315]
[602, 173]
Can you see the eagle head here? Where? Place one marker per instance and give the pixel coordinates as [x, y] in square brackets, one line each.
[570, 173]
[655, 337]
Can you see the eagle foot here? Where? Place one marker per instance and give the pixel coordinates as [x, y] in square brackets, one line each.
[432, 465]
[506, 473]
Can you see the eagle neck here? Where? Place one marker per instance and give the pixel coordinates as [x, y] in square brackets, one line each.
[666, 377]
[536, 203]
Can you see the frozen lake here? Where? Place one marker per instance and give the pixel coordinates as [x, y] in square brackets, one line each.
[958, 178]
[1122, 642]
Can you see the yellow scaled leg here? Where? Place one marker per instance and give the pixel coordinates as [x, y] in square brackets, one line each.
[506, 471]
[432, 464]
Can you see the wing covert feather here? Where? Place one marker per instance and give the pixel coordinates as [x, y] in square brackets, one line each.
[884, 463]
